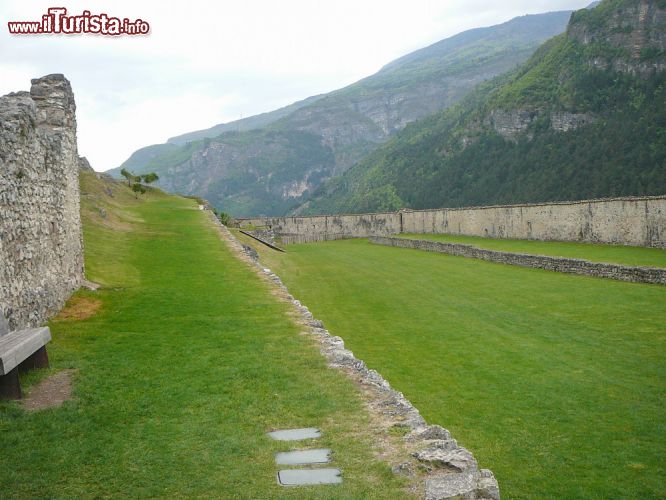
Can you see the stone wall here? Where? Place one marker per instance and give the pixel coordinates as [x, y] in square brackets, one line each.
[329, 227]
[41, 250]
[625, 221]
[560, 264]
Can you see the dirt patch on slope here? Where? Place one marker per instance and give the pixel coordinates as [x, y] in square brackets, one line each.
[79, 308]
[51, 392]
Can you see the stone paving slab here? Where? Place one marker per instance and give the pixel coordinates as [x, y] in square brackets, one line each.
[304, 477]
[295, 434]
[304, 457]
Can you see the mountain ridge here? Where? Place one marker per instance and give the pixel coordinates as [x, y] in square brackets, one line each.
[243, 124]
[349, 123]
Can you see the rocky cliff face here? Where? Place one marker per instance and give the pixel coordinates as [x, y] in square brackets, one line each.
[41, 250]
[635, 30]
[625, 37]
[260, 171]
[354, 125]
[512, 124]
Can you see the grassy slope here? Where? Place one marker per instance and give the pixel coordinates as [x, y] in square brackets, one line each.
[615, 254]
[189, 362]
[555, 382]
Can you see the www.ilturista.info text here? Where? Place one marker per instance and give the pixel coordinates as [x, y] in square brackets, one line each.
[56, 21]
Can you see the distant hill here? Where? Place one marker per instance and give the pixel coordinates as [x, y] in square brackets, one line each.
[345, 125]
[583, 118]
[144, 156]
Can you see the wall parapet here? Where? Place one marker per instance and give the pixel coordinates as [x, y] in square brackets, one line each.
[651, 275]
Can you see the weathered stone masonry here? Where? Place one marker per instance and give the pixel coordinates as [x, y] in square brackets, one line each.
[41, 249]
[560, 264]
[625, 221]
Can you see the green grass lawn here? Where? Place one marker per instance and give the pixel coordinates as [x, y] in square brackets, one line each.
[187, 365]
[556, 382]
[615, 254]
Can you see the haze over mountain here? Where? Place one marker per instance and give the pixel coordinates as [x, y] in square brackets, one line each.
[583, 118]
[270, 163]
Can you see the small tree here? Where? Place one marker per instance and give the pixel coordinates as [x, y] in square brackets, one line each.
[224, 218]
[150, 178]
[138, 189]
[128, 175]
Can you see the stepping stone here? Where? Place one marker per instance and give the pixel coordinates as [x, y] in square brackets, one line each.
[303, 457]
[295, 434]
[303, 477]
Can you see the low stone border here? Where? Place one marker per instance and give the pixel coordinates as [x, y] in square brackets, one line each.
[450, 471]
[653, 275]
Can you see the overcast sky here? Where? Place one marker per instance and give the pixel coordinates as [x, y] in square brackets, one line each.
[209, 62]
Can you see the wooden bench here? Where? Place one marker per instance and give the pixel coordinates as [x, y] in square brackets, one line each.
[20, 350]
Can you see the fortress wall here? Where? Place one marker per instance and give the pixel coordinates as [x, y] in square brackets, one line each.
[41, 250]
[626, 221]
[332, 227]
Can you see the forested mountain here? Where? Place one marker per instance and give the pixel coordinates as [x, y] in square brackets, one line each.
[585, 117]
[334, 131]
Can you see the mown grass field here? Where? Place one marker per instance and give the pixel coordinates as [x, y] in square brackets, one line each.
[556, 382]
[189, 361]
[614, 254]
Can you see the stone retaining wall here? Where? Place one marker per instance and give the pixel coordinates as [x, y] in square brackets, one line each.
[41, 250]
[560, 264]
[328, 227]
[292, 238]
[625, 221]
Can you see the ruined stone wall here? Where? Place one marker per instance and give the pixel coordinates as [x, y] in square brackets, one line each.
[41, 250]
[560, 264]
[625, 221]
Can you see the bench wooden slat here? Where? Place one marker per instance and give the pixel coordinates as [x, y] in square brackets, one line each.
[17, 346]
